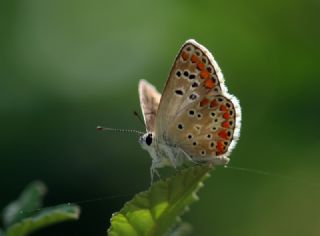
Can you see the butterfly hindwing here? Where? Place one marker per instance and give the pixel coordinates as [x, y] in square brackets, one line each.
[196, 113]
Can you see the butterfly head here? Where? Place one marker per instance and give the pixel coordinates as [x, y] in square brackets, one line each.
[146, 141]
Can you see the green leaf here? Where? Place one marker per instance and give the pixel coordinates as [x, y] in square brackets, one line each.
[29, 200]
[154, 212]
[45, 217]
[1, 232]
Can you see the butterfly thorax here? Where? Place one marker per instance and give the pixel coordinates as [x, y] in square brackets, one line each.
[161, 153]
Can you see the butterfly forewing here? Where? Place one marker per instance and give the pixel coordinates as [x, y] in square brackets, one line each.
[196, 113]
[149, 102]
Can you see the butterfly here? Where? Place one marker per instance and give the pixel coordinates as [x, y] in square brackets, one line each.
[195, 119]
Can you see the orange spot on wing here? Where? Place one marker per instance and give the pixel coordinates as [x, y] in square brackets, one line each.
[209, 84]
[204, 74]
[185, 56]
[194, 58]
[223, 134]
[223, 108]
[213, 103]
[226, 124]
[200, 66]
[204, 102]
[226, 115]
[220, 147]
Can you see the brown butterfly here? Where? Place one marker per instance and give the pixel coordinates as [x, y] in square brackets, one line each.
[195, 119]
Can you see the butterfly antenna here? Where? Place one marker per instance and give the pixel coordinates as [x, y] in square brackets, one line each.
[135, 113]
[101, 128]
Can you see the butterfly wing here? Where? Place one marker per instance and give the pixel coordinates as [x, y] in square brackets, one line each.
[196, 112]
[149, 101]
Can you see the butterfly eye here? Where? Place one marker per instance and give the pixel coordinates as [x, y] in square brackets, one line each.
[149, 139]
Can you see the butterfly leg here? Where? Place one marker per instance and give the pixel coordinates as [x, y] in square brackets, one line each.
[153, 169]
[187, 156]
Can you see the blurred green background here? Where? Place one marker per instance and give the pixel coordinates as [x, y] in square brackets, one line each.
[68, 66]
